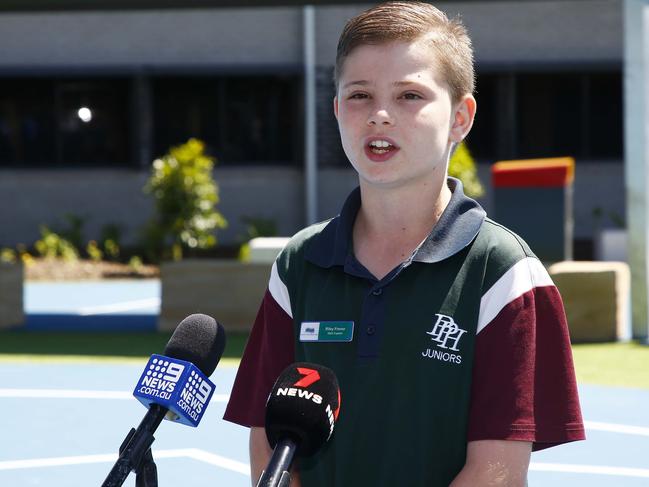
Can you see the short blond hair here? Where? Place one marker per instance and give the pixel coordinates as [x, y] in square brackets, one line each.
[409, 22]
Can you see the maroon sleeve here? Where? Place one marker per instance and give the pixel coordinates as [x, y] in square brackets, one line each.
[524, 385]
[269, 350]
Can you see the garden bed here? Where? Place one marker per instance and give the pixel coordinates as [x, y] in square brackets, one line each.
[59, 270]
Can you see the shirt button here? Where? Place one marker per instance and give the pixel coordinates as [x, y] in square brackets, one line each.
[371, 329]
[377, 292]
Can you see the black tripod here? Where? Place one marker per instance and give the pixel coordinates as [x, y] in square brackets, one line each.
[135, 453]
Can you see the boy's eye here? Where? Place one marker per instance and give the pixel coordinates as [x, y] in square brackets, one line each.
[357, 96]
[412, 96]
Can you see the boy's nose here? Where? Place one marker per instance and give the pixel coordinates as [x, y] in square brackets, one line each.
[380, 117]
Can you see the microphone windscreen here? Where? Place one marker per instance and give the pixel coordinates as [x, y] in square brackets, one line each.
[303, 405]
[198, 339]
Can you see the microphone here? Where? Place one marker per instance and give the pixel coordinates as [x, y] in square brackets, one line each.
[174, 386]
[301, 412]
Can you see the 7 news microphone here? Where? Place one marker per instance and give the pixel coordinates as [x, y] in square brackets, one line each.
[301, 412]
[174, 386]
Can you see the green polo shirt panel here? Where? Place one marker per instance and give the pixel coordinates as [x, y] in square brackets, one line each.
[405, 376]
[417, 390]
[503, 248]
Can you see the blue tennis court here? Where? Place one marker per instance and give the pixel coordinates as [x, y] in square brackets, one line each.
[64, 419]
[63, 422]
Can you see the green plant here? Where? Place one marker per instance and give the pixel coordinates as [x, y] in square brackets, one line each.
[600, 217]
[111, 249]
[25, 257]
[463, 167]
[51, 246]
[255, 227]
[7, 255]
[94, 252]
[259, 227]
[111, 238]
[135, 263]
[185, 196]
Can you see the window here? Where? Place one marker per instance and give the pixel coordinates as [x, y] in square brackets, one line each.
[242, 119]
[62, 122]
[550, 114]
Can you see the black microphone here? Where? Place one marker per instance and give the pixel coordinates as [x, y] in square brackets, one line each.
[174, 385]
[301, 412]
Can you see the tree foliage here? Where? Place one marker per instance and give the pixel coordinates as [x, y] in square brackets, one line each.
[185, 196]
[463, 167]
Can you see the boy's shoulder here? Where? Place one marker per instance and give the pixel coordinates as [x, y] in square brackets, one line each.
[295, 249]
[500, 249]
[498, 238]
[300, 241]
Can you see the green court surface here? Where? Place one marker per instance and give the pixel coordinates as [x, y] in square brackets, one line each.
[610, 364]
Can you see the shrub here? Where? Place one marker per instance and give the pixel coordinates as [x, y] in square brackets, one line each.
[462, 166]
[185, 196]
[110, 238]
[135, 263]
[8, 256]
[51, 246]
[94, 252]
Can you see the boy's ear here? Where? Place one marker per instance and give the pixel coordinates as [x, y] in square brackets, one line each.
[463, 117]
[336, 107]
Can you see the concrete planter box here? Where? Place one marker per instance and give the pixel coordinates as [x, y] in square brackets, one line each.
[11, 295]
[597, 299]
[230, 291]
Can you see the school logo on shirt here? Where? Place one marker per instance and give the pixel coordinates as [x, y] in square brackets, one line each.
[446, 335]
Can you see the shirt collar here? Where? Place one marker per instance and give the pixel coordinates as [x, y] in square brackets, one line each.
[456, 228]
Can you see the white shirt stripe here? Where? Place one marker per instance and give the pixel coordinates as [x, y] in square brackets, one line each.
[524, 276]
[278, 291]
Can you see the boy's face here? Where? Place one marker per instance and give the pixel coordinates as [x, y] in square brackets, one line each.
[396, 118]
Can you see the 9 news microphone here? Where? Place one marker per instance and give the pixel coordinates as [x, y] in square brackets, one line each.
[301, 412]
[174, 386]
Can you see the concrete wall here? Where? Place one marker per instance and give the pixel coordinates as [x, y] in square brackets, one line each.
[31, 198]
[151, 38]
[508, 32]
[503, 32]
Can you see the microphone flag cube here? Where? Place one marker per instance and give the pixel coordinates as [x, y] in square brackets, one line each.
[177, 385]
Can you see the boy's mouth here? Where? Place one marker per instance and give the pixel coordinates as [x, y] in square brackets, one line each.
[380, 146]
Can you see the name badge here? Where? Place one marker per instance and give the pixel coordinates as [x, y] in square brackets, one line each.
[327, 331]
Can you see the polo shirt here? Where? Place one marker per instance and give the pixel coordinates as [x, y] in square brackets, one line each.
[465, 340]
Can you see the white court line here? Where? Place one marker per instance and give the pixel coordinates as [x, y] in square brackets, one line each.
[590, 469]
[193, 453]
[217, 460]
[617, 428]
[79, 394]
[244, 468]
[123, 306]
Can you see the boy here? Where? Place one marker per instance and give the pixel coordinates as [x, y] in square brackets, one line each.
[460, 362]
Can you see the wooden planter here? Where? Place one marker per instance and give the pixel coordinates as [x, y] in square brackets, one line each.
[11, 295]
[228, 290]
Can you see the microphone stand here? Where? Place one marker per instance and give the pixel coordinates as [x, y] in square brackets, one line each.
[135, 452]
[146, 473]
[277, 474]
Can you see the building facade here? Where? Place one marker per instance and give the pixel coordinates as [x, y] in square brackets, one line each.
[89, 98]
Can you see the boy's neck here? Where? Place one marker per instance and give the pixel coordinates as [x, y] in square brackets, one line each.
[407, 212]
